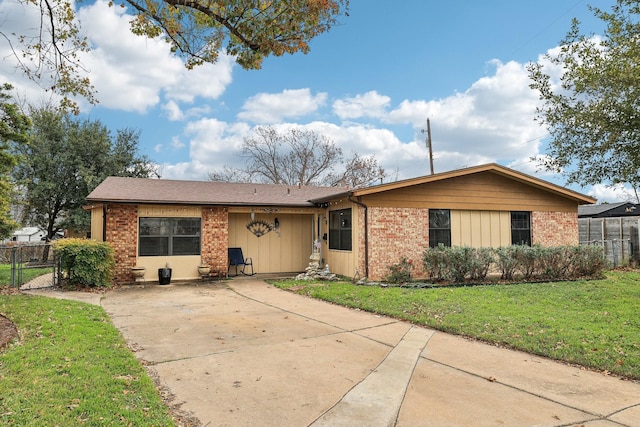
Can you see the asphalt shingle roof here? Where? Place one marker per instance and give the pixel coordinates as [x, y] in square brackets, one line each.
[140, 190]
[591, 210]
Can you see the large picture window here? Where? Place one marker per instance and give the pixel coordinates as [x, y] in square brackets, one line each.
[169, 236]
[439, 227]
[340, 230]
[521, 228]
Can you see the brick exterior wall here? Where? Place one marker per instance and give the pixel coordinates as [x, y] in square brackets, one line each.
[360, 262]
[121, 231]
[554, 228]
[215, 238]
[122, 234]
[395, 233]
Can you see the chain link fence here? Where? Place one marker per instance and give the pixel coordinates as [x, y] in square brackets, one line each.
[22, 263]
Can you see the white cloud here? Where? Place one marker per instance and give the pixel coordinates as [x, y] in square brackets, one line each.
[129, 72]
[493, 118]
[176, 143]
[173, 111]
[269, 108]
[370, 104]
[615, 193]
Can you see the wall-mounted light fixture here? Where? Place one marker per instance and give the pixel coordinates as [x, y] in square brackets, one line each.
[276, 223]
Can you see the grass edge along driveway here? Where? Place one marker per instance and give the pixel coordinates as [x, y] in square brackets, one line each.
[591, 323]
[71, 366]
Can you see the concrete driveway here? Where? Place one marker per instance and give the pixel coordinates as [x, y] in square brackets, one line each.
[243, 353]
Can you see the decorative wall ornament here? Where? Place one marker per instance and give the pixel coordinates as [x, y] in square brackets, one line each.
[259, 227]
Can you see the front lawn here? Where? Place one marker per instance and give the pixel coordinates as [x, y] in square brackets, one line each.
[72, 367]
[593, 323]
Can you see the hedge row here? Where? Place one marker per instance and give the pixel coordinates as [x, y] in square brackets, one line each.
[461, 264]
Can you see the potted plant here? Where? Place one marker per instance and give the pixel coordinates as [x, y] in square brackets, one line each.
[203, 269]
[138, 273]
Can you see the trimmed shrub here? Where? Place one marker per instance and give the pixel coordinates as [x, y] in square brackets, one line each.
[400, 272]
[526, 260]
[481, 261]
[588, 261]
[86, 262]
[434, 260]
[506, 261]
[459, 264]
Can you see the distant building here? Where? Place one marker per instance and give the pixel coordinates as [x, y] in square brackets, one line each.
[28, 234]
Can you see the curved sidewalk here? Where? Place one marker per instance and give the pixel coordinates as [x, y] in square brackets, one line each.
[243, 353]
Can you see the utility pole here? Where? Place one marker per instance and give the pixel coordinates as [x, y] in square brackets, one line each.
[429, 145]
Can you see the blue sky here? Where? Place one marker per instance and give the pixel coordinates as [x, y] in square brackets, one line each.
[369, 84]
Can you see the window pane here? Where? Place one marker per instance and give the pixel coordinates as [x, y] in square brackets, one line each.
[186, 246]
[521, 228]
[345, 240]
[154, 226]
[439, 218]
[154, 246]
[439, 227]
[186, 227]
[169, 236]
[340, 229]
[439, 237]
[521, 237]
[334, 239]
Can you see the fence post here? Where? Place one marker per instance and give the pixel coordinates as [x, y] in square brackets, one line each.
[13, 266]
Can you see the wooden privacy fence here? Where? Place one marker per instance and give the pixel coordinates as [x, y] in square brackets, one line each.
[618, 236]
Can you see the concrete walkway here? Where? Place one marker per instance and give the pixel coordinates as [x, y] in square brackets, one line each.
[243, 353]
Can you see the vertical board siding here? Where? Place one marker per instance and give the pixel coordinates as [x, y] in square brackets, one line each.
[479, 229]
[273, 253]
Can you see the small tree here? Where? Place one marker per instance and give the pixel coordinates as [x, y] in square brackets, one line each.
[64, 160]
[298, 157]
[593, 111]
[13, 129]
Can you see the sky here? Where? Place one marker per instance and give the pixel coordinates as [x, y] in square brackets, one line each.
[369, 84]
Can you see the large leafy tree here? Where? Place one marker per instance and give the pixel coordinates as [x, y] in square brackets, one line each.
[64, 160]
[592, 110]
[297, 157]
[197, 30]
[13, 130]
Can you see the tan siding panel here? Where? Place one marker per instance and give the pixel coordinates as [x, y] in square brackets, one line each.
[273, 253]
[345, 262]
[480, 228]
[97, 223]
[485, 191]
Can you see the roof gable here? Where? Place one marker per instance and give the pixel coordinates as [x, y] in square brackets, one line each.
[492, 168]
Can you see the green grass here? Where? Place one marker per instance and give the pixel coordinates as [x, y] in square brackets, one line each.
[27, 274]
[72, 367]
[595, 323]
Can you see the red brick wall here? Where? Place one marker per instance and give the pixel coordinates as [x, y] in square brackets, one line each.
[398, 232]
[215, 238]
[395, 233]
[554, 228]
[122, 234]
